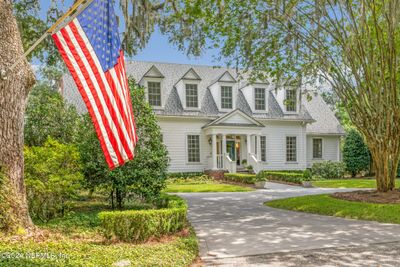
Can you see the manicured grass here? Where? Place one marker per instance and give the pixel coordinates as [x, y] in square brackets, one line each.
[76, 240]
[327, 205]
[189, 187]
[349, 183]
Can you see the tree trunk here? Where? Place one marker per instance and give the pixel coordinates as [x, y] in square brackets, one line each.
[13, 94]
[385, 157]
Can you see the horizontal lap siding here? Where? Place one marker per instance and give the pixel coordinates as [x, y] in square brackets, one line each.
[330, 148]
[174, 135]
[276, 133]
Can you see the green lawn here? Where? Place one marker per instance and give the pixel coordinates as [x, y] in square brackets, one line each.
[76, 240]
[210, 186]
[349, 183]
[327, 205]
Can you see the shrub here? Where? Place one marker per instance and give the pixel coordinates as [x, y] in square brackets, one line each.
[328, 170]
[53, 177]
[140, 225]
[47, 114]
[145, 176]
[184, 174]
[240, 178]
[356, 154]
[284, 176]
[202, 179]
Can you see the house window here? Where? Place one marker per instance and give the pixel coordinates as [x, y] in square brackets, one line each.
[259, 98]
[263, 143]
[226, 97]
[290, 100]
[193, 148]
[154, 91]
[191, 96]
[291, 148]
[317, 148]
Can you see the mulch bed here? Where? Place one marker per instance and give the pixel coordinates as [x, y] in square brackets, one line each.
[370, 196]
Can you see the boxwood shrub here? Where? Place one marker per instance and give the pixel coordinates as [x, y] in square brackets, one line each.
[140, 225]
[289, 177]
[328, 170]
[240, 178]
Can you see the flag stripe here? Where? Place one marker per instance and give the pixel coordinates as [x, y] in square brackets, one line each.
[102, 77]
[89, 87]
[105, 96]
[110, 154]
[91, 47]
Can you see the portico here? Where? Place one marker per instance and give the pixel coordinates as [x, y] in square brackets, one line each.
[235, 140]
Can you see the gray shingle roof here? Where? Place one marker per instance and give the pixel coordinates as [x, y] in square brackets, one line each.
[325, 120]
[310, 111]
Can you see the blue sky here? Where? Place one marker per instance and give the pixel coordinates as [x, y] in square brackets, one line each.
[158, 47]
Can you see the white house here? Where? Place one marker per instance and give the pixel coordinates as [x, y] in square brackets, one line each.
[212, 121]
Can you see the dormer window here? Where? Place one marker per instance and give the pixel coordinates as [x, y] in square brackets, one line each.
[259, 98]
[154, 93]
[226, 97]
[192, 98]
[291, 100]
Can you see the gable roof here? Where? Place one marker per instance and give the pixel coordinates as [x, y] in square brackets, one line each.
[235, 118]
[191, 75]
[153, 72]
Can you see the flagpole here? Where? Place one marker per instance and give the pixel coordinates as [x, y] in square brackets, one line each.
[3, 73]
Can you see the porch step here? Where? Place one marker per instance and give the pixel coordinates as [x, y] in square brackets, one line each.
[242, 170]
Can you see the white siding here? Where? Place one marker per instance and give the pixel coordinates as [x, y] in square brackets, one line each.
[174, 132]
[330, 149]
[276, 133]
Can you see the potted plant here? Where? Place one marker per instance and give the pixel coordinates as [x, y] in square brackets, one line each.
[260, 182]
[307, 179]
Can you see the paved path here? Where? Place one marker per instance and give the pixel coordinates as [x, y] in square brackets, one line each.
[238, 224]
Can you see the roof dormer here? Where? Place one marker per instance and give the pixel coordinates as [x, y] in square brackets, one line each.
[257, 95]
[188, 90]
[152, 81]
[224, 90]
[288, 98]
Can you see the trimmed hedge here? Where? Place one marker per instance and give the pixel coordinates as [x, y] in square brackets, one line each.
[290, 177]
[140, 225]
[184, 174]
[240, 178]
[328, 170]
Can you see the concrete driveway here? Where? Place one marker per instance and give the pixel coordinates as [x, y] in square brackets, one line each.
[238, 224]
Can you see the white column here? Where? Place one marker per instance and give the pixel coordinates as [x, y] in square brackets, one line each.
[214, 151]
[223, 144]
[258, 147]
[248, 146]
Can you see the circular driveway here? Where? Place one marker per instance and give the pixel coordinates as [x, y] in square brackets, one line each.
[238, 224]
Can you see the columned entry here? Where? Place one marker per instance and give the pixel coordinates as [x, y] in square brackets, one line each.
[233, 143]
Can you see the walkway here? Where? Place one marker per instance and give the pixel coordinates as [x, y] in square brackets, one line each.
[238, 224]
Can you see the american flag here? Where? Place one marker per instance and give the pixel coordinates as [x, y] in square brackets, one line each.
[91, 49]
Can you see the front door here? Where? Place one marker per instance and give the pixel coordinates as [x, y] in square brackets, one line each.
[230, 149]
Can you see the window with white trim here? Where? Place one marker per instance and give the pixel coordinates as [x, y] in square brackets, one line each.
[259, 98]
[193, 148]
[192, 96]
[263, 144]
[154, 93]
[317, 148]
[291, 100]
[226, 97]
[291, 148]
